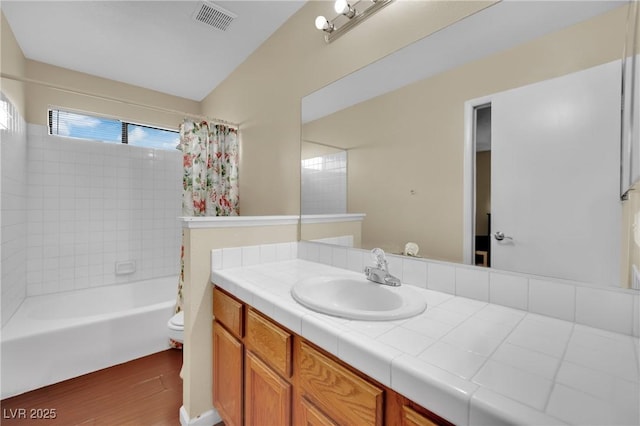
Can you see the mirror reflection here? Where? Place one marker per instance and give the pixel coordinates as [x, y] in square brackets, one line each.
[494, 142]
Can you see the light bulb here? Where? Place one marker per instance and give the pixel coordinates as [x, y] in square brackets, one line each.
[322, 23]
[341, 6]
[344, 8]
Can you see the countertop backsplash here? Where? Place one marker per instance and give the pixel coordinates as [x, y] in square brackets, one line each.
[610, 309]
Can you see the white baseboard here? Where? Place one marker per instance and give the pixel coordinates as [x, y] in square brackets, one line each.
[208, 418]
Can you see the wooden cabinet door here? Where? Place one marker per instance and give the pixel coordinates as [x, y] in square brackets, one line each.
[227, 375]
[309, 415]
[267, 395]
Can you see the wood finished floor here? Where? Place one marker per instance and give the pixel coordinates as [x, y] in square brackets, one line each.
[142, 392]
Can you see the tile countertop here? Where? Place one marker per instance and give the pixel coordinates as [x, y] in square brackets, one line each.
[471, 362]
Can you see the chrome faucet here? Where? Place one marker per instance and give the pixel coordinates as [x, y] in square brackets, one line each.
[380, 273]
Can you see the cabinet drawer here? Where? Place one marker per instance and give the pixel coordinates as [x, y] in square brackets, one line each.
[271, 342]
[228, 311]
[344, 396]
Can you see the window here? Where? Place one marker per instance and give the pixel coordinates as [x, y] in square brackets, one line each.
[4, 114]
[7, 112]
[151, 137]
[71, 124]
[108, 130]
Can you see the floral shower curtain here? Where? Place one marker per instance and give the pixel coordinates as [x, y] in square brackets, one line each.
[210, 159]
[210, 176]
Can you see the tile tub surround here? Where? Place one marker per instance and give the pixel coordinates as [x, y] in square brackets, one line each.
[92, 204]
[470, 361]
[13, 211]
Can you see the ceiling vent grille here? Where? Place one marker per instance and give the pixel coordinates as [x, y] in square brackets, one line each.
[213, 15]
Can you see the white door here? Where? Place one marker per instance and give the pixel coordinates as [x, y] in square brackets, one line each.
[556, 177]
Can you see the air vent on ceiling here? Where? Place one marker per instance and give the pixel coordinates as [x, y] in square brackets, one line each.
[213, 15]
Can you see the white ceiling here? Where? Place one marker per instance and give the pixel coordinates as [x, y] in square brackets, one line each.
[152, 44]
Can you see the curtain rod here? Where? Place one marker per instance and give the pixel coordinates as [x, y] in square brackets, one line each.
[112, 99]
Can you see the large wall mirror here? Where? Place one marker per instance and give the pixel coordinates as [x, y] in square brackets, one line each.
[495, 142]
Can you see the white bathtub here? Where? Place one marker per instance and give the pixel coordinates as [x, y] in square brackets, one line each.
[55, 337]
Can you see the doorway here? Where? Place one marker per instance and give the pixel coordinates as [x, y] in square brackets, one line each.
[482, 179]
[555, 170]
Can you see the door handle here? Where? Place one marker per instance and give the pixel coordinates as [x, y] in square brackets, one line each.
[499, 236]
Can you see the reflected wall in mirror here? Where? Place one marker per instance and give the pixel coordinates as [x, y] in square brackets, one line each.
[630, 173]
[405, 145]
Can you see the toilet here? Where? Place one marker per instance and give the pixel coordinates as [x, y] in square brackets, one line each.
[176, 327]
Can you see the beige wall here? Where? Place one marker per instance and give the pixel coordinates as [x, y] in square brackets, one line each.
[123, 95]
[197, 371]
[412, 139]
[12, 62]
[263, 94]
[312, 150]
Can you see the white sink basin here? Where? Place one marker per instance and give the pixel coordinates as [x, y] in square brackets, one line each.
[358, 298]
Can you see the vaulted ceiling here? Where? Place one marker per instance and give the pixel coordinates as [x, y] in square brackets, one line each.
[157, 45]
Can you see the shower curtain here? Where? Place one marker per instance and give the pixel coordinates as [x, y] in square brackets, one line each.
[210, 177]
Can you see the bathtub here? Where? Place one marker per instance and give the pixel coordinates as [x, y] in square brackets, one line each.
[55, 337]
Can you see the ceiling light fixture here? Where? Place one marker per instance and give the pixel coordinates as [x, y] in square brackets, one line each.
[344, 8]
[352, 13]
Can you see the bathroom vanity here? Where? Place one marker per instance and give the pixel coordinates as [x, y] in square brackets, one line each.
[461, 361]
[289, 380]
